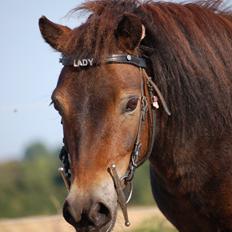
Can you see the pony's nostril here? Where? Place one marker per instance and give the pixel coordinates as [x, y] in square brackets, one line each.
[68, 215]
[103, 209]
[100, 214]
[94, 217]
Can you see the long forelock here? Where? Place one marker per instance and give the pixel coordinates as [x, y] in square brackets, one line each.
[96, 37]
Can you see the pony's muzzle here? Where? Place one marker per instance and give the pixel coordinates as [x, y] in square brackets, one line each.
[87, 215]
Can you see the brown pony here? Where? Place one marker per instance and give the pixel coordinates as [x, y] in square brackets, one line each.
[188, 49]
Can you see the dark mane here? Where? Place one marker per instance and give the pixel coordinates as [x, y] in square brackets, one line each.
[189, 46]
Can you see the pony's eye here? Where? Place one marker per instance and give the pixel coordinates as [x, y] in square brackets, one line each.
[55, 105]
[131, 104]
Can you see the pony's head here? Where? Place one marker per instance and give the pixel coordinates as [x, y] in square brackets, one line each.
[101, 97]
[100, 102]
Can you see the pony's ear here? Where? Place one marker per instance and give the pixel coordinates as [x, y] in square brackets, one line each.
[54, 34]
[130, 32]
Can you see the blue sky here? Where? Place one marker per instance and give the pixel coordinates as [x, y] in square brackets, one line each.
[29, 71]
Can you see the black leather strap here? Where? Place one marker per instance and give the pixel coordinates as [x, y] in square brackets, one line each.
[115, 58]
[66, 61]
[127, 59]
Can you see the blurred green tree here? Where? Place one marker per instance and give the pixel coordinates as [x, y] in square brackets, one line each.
[142, 194]
[31, 186]
[35, 150]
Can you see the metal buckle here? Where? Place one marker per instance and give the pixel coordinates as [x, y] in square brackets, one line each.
[135, 154]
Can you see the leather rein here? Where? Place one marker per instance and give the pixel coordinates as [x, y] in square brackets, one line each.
[150, 95]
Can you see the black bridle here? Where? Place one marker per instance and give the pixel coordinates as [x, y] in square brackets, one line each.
[149, 104]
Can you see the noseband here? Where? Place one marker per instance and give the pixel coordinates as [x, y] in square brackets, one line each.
[148, 105]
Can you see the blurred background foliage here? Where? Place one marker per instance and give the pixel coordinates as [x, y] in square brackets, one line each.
[32, 186]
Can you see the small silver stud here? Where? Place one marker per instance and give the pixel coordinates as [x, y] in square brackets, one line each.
[128, 57]
[127, 224]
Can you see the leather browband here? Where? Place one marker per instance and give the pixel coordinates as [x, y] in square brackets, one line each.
[115, 58]
[127, 59]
